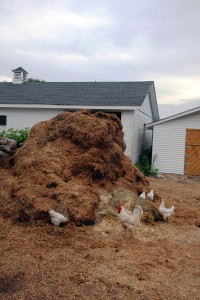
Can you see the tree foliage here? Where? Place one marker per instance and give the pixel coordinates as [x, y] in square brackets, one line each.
[35, 80]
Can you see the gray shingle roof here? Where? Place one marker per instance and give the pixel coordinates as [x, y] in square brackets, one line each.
[75, 93]
[20, 69]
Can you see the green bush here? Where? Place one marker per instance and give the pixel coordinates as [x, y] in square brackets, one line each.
[146, 152]
[19, 135]
[144, 164]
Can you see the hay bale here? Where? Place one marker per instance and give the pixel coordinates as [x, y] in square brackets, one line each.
[129, 200]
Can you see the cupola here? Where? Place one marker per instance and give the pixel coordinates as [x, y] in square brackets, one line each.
[19, 75]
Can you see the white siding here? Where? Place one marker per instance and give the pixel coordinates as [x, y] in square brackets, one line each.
[169, 143]
[146, 107]
[143, 137]
[25, 117]
[127, 119]
[135, 135]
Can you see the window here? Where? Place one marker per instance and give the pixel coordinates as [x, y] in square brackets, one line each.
[3, 120]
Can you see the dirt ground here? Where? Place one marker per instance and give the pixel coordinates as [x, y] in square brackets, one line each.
[160, 261]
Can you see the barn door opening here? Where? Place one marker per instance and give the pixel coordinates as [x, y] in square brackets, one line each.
[192, 152]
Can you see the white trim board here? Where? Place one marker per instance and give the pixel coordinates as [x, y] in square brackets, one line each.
[185, 113]
[117, 108]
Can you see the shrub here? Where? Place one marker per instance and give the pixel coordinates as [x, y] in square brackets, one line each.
[19, 135]
[146, 152]
[144, 164]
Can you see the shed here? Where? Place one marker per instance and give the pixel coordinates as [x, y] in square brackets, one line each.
[176, 143]
[23, 105]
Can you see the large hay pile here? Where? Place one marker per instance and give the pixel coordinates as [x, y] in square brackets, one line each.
[65, 164]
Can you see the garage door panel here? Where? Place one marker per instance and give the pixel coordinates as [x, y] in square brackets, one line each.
[192, 152]
[192, 137]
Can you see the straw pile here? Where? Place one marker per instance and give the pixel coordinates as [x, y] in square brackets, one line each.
[65, 164]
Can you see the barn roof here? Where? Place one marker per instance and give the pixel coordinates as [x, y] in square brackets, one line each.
[76, 93]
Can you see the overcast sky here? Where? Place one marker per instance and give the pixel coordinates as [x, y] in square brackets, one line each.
[107, 40]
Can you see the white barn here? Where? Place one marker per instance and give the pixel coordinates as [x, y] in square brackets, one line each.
[23, 104]
[176, 143]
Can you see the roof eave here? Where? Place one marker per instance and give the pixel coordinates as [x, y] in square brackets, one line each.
[117, 108]
[170, 118]
[153, 100]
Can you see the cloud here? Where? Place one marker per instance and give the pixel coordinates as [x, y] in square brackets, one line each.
[178, 89]
[166, 110]
[5, 79]
[89, 40]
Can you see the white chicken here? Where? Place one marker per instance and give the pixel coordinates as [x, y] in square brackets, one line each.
[143, 195]
[165, 212]
[127, 218]
[57, 218]
[150, 195]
